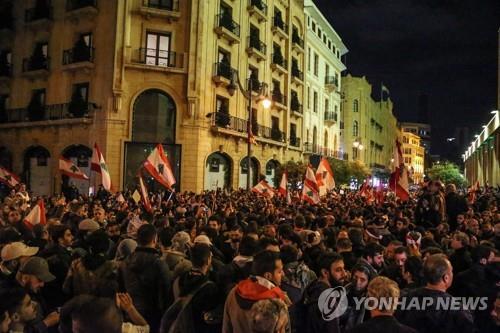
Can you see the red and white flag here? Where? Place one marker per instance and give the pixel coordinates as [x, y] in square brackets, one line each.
[158, 166]
[310, 190]
[472, 193]
[120, 198]
[98, 164]
[398, 182]
[144, 195]
[36, 216]
[283, 189]
[263, 188]
[9, 178]
[69, 169]
[324, 177]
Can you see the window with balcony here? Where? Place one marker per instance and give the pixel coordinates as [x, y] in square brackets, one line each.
[78, 106]
[82, 50]
[226, 18]
[5, 63]
[255, 41]
[39, 58]
[294, 101]
[294, 141]
[315, 101]
[295, 69]
[224, 65]
[41, 10]
[158, 49]
[36, 107]
[316, 64]
[278, 56]
[355, 128]
[278, 19]
[355, 106]
[254, 79]
[222, 118]
[275, 129]
[277, 94]
[327, 70]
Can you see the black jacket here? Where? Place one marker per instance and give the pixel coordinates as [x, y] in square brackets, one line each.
[382, 324]
[148, 280]
[455, 204]
[431, 319]
[313, 318]
[460, 260]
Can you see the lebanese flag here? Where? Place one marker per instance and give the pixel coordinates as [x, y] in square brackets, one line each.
[398, 182]
[144, 195]
[263, 188]
[379, 194]
[9, 178]
[158, 166]
[69, 169]
[310, 189]
[36, 216]
[324, 177]
[98, 164]
[283, 189]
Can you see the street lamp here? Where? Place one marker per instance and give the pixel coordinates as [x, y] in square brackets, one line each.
[266, 103]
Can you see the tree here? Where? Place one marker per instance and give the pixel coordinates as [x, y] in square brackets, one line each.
[344, 171]
[296, 172]
[447, 173]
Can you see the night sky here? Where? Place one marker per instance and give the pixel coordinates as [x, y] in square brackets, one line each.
[445, 49]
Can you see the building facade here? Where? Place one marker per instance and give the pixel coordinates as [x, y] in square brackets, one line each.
[422, 130]
[482, 157]
[413, 156]
[324, 52]
[369, 126]
[130, 74]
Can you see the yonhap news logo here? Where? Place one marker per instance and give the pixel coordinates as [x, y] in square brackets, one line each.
[333, 303]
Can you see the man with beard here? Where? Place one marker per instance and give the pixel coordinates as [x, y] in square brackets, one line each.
[361, 276]
[373, 257]
[331, 274]
[114, 234]
[230, 247]
[21, 308]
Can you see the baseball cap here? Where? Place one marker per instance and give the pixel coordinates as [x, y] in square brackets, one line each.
[203, 239]
[38, 267]
[17, 249]
[89, 225]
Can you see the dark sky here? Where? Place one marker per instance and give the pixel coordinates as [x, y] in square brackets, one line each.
[445, 49]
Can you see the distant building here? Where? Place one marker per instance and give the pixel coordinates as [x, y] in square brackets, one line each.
[420, 129]
[413, 156]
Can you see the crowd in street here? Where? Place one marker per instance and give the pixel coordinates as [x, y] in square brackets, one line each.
[234, 261]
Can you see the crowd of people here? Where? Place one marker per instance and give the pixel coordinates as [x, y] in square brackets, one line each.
[234, 261]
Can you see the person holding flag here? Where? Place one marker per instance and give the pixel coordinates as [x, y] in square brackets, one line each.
[68, 168]
[9, 178]
[398, 181]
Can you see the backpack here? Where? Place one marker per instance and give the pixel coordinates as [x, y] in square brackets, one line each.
[179, 316]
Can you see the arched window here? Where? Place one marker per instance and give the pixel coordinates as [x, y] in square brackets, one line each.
[154, 118]
[355, 106]
[355, 128]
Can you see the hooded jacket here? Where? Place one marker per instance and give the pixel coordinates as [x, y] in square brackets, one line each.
[147, 279]
[314, 322]
[241, 298]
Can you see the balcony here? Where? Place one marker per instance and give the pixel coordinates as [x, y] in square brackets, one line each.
[224, 123]
[39, 18]
[168, 10]
[279, 100]
[36, 68]
[279, 28]
[331, 83]
[48, 115]
[227, 28]
[256, 48]
[158, 60]
[338, 154]
[294, 141]
[296, 108]
[81, 9]
[310, 148]
[223, 74]
[279, 64]
[297, 76]
[74, 59]
[258, 9]
[330, 117]
[297, 44]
